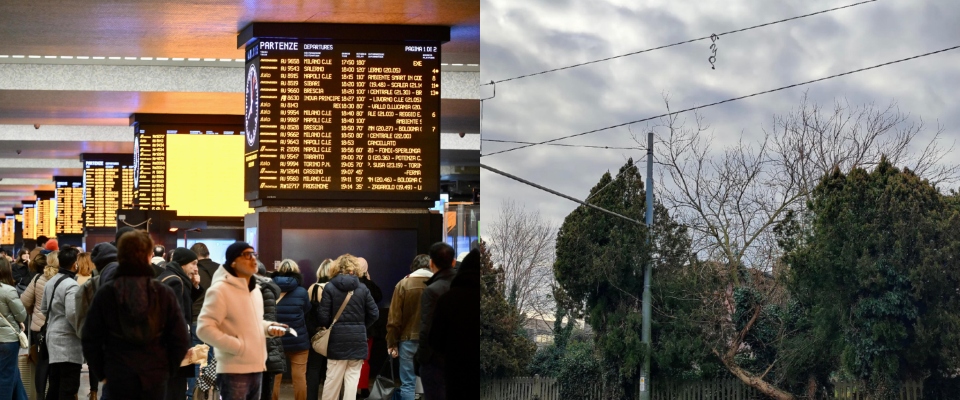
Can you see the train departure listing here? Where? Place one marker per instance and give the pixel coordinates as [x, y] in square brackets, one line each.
[108, 187]
[69, 205]
[327, 119]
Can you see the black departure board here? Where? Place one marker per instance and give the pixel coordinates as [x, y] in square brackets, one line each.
[150, 176]
[7, 231]
[46, 213]
[107, 187]
[29, 220]
[69, 205]
[335, 120]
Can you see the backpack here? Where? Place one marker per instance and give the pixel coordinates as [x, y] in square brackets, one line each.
[84, 298]
[313, 317]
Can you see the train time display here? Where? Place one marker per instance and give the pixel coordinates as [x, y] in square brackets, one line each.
[342, 121]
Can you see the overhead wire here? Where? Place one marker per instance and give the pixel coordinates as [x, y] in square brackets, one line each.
[556, 193]
[724, 101]
[678, 43]
[562, 144]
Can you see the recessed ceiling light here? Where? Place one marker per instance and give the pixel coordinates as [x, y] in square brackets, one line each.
[67, 57]
[83, 57]
[458, 65]
[194, 59]
[163, 59]
[49, 56]
[226, 59]
[17, 56]
[209, 59]
[128, 58]
[98, 58]
[473, 65]
[239, 60]
[4, 56]
[178, 59]
[114, 58]
[146, 58]
[34, 56]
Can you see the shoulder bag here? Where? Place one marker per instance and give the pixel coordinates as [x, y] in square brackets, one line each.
[24, 343]
[321, 340]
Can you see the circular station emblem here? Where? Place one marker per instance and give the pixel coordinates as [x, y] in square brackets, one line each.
[252, 109]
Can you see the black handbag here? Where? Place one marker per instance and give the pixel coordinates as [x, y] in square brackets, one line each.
[383, 388]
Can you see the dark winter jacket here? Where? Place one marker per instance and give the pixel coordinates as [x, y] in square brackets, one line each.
[348, 337]
[376, 330]
[178, 281]
[454, 332]
[135, 330]
[21, 275]
[276, 359]
[436, 287]
[292, 310]
[104, 257]
[206, 268]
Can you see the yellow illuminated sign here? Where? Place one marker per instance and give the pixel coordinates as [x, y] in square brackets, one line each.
[204, 175]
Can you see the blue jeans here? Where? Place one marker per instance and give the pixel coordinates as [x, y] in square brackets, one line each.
[192, 382]
[408, 376]
[240, 386]
[11, 387]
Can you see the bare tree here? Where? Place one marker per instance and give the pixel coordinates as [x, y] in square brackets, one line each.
[732, 199]
[522, 244]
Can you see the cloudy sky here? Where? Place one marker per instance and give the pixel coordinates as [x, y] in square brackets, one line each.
[520, 37]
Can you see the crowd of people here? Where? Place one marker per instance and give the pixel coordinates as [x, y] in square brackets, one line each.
[138, 315]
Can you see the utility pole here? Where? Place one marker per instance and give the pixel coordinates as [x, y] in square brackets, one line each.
[648, 271]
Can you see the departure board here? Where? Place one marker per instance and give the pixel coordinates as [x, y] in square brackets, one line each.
[150, 175]
[69, 205]
[7, 231]
[107, 187]
[177, 170]
[326, 120]
[46, 213]
[29, 220]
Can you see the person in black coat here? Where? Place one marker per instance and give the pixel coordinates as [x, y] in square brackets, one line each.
[135, 335]
[293, 305]
[455, 327]
[377, 331]
[348, 336]
[276, 359]
[180, 274]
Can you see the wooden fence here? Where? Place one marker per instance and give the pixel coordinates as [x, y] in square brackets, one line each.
[850, 391]
[536, 388]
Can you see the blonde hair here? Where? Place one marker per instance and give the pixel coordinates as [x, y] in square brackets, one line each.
[52, 260]
[288, 266]
[323, 271]
[345, 264]
[363, 266]
[84, 264]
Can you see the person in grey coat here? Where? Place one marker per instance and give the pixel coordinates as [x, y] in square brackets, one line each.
[348, 337]
[63, 344]
[11, 310]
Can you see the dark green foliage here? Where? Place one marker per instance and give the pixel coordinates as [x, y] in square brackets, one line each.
[504, 349]
[599, 265]
[877, 275]
[579, 371]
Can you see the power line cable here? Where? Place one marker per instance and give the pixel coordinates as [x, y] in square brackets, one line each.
[562, 144]
[726, 101]
[677, 44]
[554, 192]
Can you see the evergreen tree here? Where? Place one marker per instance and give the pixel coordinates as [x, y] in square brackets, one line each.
[599, 265]
[878, 275]
[505, 350]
